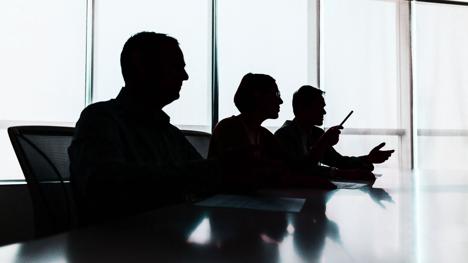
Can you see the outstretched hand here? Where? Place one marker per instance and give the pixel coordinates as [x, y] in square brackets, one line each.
[379, 156]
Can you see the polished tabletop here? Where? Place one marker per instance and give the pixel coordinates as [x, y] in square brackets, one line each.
[405, 216]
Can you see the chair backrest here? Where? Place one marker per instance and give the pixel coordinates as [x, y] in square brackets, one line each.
[199, 140]
[42, 152]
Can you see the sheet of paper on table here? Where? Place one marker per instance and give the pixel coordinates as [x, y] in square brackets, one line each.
[279, 204]
[349, 185]
[354, 184]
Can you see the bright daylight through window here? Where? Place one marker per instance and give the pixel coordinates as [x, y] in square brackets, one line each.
[362, 53]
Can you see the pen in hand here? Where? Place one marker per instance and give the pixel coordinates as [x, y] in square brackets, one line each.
[349, 114]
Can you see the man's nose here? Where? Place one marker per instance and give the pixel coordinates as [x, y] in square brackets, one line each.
[185, 75]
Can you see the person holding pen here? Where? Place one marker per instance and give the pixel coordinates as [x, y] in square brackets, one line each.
[302, 136]
[242, 141]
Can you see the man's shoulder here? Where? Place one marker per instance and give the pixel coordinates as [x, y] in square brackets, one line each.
[101, 107]
[175, 130]
[287, 128]
[98, 114]
[99, 110]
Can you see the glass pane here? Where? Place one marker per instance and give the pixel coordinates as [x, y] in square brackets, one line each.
[443, 152]
[42, 67]
[359, 71]
[273, 37]
[186, 20]
[441, 64]
[42, 60]
[359, 62]
[10, 168]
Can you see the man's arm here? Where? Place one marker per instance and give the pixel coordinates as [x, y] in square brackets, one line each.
[334, 159]
[322, 150]
[376, 155]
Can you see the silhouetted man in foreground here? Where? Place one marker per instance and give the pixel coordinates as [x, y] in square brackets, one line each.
[301, 136]
[125, 156]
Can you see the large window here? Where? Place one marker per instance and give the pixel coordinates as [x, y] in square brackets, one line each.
[270, 37]
[359, 71]
[407, 87]
[42, 67]
[441, 85]
[186, 20]
[42, 60]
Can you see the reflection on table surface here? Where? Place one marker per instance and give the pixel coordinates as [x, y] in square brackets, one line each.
[403, 217]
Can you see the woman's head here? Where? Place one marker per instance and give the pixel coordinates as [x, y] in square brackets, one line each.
[258, 93]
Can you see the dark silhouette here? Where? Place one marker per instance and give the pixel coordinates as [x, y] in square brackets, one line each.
[242, 140]
[125, 156]
[378, 195]
[242, 136]
[301, 137]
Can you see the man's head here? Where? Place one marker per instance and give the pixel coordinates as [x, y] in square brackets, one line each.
[309, 105]
[154, 65]
[258, 93]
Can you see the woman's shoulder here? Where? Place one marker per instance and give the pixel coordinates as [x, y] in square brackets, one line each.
[228, 123]
[227, 137]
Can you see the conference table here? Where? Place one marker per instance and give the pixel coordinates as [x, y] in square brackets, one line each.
[404, 216]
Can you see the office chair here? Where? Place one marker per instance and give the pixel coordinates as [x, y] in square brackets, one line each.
[42, 152]
[199, 140]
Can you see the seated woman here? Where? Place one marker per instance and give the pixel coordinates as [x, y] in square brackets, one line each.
[242, 136]
[244, 143]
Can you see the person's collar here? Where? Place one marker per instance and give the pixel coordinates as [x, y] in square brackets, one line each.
[302, 128]
[289, 123]
[126, 97]
[251, 120]
[161, 117]
[131, 103]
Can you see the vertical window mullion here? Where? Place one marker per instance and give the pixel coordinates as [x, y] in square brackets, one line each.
[89, 52]
[214, 67]
[405, 80]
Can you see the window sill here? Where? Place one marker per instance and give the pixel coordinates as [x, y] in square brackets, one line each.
[12, 182]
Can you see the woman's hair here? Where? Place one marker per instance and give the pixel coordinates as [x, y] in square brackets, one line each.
[251, 89]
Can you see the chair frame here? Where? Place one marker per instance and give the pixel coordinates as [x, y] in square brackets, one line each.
[18, 133]
[195, 133]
